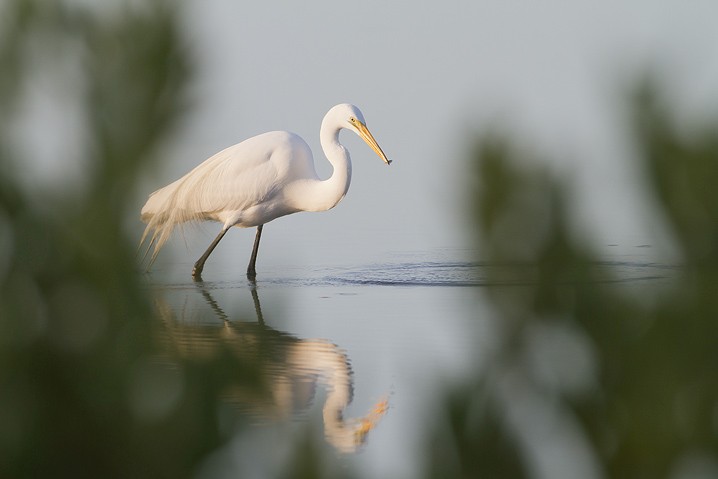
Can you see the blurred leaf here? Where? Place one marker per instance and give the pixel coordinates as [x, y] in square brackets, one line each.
[627, 385]
[76, 322]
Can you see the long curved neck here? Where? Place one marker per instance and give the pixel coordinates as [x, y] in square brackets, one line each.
[332, 190]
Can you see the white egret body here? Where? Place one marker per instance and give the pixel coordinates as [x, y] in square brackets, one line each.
[256, 181]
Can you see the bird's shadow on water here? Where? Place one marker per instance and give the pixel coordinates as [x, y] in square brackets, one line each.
[290, 369]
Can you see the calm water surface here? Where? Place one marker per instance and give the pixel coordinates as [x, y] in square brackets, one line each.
[361, 351]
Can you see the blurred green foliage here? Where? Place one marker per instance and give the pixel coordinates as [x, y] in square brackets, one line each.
[83, 390]
[593, 377]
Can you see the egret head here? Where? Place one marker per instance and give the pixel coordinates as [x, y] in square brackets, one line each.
[350, 117]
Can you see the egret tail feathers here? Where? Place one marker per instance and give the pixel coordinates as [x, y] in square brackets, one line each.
[158, 232]
[185, 200]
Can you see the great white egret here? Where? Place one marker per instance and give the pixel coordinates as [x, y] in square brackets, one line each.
[256, 181]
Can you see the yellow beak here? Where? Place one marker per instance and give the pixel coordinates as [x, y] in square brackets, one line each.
[366, 135]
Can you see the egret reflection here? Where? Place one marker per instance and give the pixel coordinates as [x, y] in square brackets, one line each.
[290, 369]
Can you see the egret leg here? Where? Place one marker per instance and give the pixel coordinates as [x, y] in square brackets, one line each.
[199, 265]
[251, 270]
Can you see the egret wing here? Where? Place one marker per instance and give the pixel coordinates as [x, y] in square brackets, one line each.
[231, 181]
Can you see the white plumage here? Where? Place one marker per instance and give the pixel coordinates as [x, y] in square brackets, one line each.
[257, 181]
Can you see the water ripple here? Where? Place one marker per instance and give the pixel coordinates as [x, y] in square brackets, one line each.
[468, 274]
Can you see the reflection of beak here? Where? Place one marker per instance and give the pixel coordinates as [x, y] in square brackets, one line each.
[369, 422]
[369, 139]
